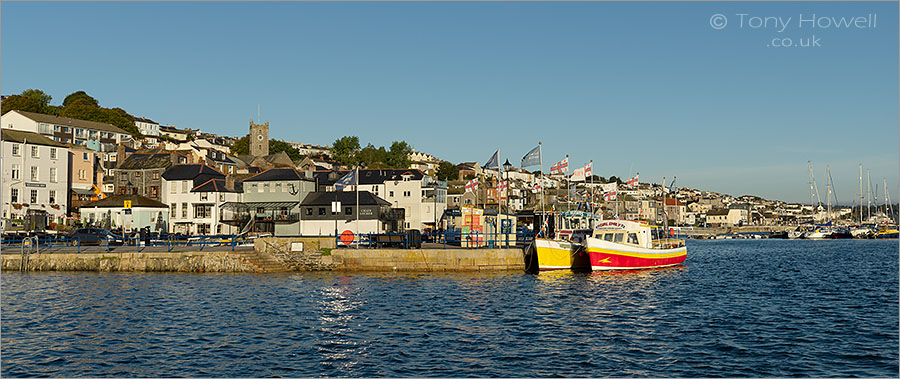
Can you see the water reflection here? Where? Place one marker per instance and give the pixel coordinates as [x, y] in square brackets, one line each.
[338, 310]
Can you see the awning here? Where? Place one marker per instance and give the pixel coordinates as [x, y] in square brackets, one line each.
[266, 205]
[86, 192]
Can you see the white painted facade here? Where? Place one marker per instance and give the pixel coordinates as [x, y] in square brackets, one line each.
[34, 177]
[416, 197]
[196, 213]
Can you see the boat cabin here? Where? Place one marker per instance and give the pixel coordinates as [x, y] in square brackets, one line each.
[634, 234]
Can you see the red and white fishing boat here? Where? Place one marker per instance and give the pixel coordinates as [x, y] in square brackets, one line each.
[629, 245]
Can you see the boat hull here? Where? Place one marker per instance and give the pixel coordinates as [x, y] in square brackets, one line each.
[560, 255]
[605, 255]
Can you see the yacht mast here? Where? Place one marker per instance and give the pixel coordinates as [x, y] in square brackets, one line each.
[860, 194]
[868, 196]
[828, 186]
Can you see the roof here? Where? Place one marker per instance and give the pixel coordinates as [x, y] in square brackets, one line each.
[215, 185]
[345, 197]
[170, 129]
[192, 172]
[277, 174]
[31, 138]
[51, 119]
[118, 201]
[147, 120]
[377, 176]
[717, 212]
[675, 202]
[138, 161]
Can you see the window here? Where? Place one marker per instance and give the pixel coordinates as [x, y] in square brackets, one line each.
[154, 192]
[321, 211]
[34, 198]
[608, 237]
[204, 196]
[221, 197]
[265, 187]
[137, 174]
[619, 237]
[309, 211]
[348, 211]
[15, 149]
[85, 156]
[277, 187]
[45, 128]
[81, 174]
[15, 171]
[14, 195]
[155, 175]
[202, 211]
[34, 173]
[184, 210]
[261, 187]
[173, 211]
[53, 174]
[173, 187]
[185, 186]
[123, 177]
[406, 193]
[252, 187]
[391, 194]
[34, 152]
[52, 153]
[632, 238]
[202, 228]
[52, 197]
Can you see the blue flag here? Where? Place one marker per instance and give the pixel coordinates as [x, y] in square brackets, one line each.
[351, 179]
[494, 162]
[533, 158]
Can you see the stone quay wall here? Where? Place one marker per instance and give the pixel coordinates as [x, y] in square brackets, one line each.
[198, 261]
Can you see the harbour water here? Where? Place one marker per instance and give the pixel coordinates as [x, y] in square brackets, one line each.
[757, 308]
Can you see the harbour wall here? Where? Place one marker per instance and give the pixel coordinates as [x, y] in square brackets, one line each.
[272, 255]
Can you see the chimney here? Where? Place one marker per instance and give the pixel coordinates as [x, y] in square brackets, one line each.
[120, 154]
[229, 182]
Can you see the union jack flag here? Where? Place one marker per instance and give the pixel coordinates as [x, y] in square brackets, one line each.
[633, 181]
[472, 185]
[560, 167]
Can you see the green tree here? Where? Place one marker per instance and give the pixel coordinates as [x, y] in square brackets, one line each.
[19, 103]
[447, 171]
[398, 157]
[277, 146]
[614, 179]
[42, 98]
[241, 146]
[74, 96]
[345, 150]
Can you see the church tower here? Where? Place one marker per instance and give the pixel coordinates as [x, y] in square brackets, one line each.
[259, 139]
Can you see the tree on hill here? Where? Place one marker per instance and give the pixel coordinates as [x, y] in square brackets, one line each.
[345, 149]
[75, 96]
[398, 157]
[42, 98]
[20, 103]
[242, 147]
[447, 171]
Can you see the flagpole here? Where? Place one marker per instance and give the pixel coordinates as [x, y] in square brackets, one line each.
[568, 194]
[590, 202]
[541, 156]
[497, 226]
[359, 235]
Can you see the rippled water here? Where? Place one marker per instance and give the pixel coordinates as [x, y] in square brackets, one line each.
[736, 308]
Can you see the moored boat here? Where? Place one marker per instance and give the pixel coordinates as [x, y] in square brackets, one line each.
[887, 231]
[565, 252]
[628, 245]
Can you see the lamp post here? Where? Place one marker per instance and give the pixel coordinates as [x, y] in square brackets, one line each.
[506, 167]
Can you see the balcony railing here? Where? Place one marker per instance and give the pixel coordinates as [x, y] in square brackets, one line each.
[276, 218]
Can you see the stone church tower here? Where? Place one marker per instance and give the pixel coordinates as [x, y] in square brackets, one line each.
[259, 139]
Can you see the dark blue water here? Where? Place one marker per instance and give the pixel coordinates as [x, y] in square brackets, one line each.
[736, 308]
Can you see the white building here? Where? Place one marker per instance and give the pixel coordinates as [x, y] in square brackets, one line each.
[35, 176]
[422, 198]
[195, 194]
[104, 136]
[150, 130]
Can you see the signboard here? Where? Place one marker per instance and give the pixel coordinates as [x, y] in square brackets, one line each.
[38, 185]
[335, 207]
[472, 227]
[296, 246]
[127, 204]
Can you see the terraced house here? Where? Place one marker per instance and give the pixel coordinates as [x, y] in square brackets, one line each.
[141, 173]
[34, 178]
[195, 194]
[104, 136]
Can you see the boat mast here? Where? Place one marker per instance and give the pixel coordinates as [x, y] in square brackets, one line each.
[868, 196]
[812, 184]
[828, 186]
[860, 194]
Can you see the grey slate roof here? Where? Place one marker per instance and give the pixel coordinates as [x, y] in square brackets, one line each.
[51, 119]
[118, 201]
[216, 185]
[138, 161]
[278, 174]
[191, 172]
[347, 198]
[32, 138]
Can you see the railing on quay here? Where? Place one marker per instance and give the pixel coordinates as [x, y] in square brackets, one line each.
[137, 242]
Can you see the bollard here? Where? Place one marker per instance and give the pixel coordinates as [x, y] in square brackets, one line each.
[232, 242]
[79, 245]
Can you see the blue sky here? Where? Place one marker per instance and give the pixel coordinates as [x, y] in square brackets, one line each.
[637, 87]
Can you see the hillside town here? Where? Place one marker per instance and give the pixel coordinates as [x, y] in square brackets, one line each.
[62, 173]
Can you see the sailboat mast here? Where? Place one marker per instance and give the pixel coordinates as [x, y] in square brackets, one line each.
[860, 194]
[868, 196]
[828, 185]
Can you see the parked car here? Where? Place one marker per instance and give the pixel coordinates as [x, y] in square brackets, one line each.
[94, 236]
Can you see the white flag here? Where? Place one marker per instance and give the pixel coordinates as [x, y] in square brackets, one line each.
[578, 175]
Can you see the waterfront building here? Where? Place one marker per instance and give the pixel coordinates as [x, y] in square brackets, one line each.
[375, 214]
[149, 129]
[269, 202]
[34, 178]
[173, 133]
[123, 211]
[195, 194]
[675, 210]
[83, 177]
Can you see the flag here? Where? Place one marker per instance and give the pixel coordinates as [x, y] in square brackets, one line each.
[501, 186]
[351, 179]
[560, 167]
[633, 182]
[573, 191]
[578, 175]
[610, 196]
[472, 185]
[608, 187]
[494, 162]
[587, 169]
[536, 188]
[532, 158]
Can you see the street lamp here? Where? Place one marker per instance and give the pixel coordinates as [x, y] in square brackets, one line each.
[506, 167]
